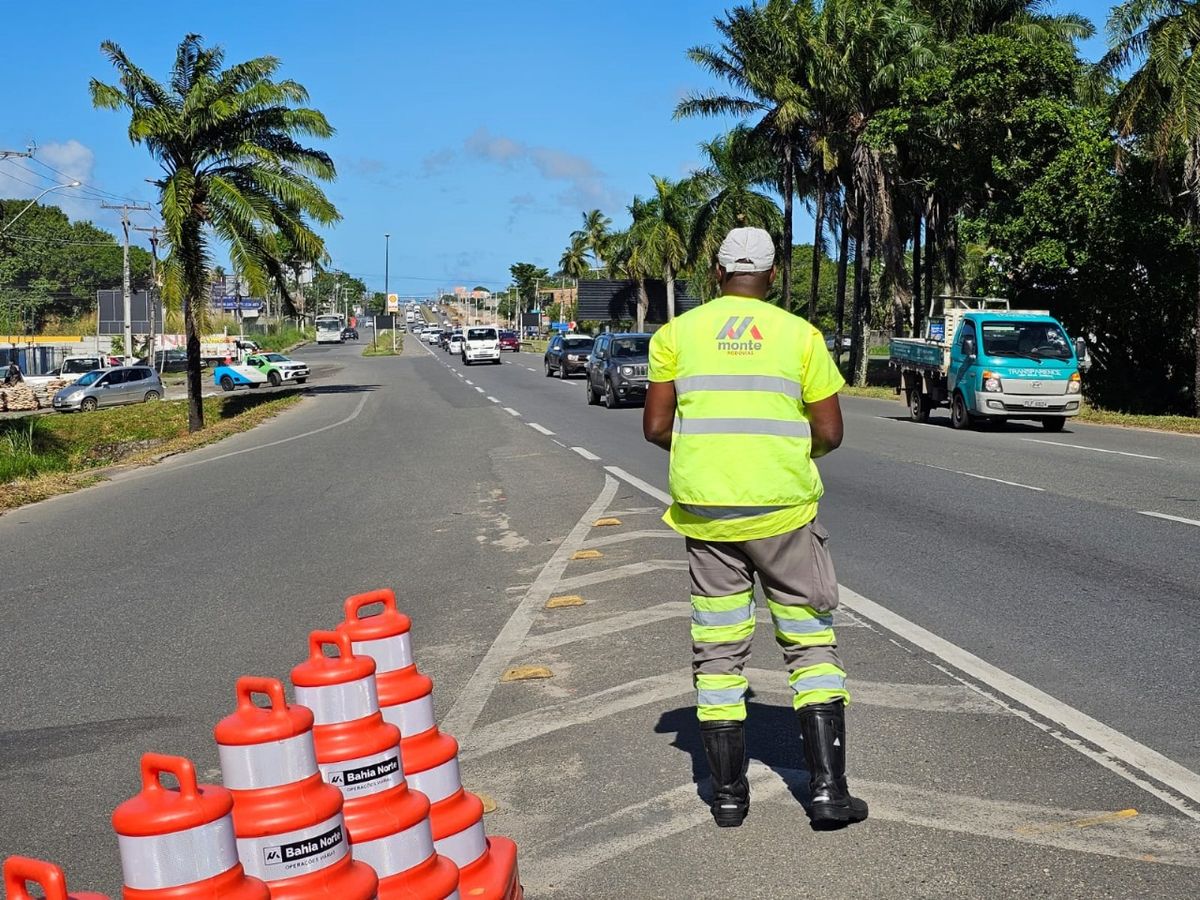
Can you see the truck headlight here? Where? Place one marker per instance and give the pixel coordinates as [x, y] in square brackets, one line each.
[992, 383]
[627, 371]
[1073, 386]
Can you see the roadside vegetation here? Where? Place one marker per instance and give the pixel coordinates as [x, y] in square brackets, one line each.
[382, 346]
[44, 455]
[283, 339]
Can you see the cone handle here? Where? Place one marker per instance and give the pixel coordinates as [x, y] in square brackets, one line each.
[154, 765]
[318, 640]
[20, 870]
[355, 604]
[272, 688]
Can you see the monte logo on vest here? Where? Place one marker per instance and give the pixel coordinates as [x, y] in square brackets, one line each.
[732, 337]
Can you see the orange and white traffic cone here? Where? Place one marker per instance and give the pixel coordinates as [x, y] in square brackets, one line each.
[178, 844]
[359, 753]
[19, 871]
[488, 865]
[289, 823]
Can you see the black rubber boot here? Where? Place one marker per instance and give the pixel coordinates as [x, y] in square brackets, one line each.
[823, 727]
[725, 747]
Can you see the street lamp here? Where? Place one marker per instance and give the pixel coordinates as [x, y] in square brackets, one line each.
[33, 202]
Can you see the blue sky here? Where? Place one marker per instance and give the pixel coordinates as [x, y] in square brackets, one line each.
[473, 133]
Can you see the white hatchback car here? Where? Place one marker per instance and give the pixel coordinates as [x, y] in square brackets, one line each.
[481, 344]
[456, 343]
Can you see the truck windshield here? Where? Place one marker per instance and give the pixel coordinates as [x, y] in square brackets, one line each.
[1025, 340]
[75, 366]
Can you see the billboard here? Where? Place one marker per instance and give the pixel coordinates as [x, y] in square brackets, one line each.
[112, 312]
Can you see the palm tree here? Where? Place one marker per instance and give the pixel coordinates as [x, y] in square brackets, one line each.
[233, 170]
[1159, 103]
[736, 165]
[595, 230]
[663, 232]
[629, 258]
[759, 58]
[574, 260]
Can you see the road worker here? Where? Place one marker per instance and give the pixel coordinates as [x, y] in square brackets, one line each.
[744, 396]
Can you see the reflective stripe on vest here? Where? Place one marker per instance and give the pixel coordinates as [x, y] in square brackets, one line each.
[412, 718]
[439, 782]
[465, 847]
[776, 427]
[728, 512]
[768, 383]
[397, 852]
[390, 653]
[278, 856]
[340, 702]
[365, 775]
[248, 767]
[155, 862]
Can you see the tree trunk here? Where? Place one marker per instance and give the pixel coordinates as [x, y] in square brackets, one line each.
[930, 255]
[818, 236]
[785, 271]
[856, 347]
[1196, 374]
[642, 305]
[195, 290]
[843, 262]
[918, 294]
[862, 321]
[669, 278]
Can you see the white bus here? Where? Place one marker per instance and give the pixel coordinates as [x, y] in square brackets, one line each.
[329, 328]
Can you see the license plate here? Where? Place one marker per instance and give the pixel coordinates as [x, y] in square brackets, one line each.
[1036, 404]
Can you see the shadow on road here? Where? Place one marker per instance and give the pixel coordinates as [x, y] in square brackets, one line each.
[772, 738]
[41, 744]
[339, 388]
[1009, 426]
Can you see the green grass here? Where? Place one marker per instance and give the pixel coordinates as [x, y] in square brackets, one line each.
[53, 454]
[383, 345]
[536, 346]
[284, 338]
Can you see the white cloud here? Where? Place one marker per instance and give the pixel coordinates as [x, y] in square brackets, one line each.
[24, 179]
[586, 186]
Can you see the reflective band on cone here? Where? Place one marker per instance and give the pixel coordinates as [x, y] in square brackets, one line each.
[19, 871]
[488, 867]
[289, 824]
[359, 754]
[340, 702]
[179, 843]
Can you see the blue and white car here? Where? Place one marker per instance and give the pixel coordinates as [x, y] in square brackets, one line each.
[230, 377]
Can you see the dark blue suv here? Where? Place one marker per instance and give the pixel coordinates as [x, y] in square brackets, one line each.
[617, 368]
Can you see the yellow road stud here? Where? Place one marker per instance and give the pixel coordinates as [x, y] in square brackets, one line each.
[526, 673]
[586, 554]
[489, 804]
[564, 600]
[606, 522]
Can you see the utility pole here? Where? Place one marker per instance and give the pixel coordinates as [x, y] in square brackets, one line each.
[152, 300]
[126, 209]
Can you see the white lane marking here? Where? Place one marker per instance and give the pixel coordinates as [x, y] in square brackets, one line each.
[1093, 449]
[542, 428]
[908, 421]
[1028, 487]
[512, 412]
[1158, 515]
[639, 535]
[643, 486]
[493, 399]
[475, 693]
[560, 443]
[586, 454]
[1119, 753]
[287, 440]
[469, 381]
[479, 389]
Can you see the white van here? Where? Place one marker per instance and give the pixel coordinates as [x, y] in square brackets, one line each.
[481, 344]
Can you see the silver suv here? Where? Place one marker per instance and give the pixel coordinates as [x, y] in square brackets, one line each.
[110, 387]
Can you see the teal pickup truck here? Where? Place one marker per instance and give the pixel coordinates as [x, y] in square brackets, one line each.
[987, 362]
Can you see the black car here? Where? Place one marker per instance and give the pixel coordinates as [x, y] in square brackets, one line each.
[567, 354]
[617, 369]
[349, 334]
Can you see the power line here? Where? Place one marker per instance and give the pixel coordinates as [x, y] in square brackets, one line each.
[83, 192]
[64, 241]
[98, 190]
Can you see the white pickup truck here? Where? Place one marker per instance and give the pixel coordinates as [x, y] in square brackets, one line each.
[71, 369]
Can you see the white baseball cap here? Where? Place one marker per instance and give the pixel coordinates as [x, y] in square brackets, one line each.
[747, 250]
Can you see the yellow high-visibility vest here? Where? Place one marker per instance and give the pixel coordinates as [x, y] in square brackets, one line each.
[742, 445]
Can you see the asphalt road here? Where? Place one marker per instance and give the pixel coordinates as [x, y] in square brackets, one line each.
[1060, 577]
[130, 607]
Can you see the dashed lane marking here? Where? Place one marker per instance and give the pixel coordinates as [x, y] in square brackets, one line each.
[512, 412]
[479, 389]
[493, 399]
[1180, 519]
[540, 428]
[1028, 487]
[1093, 449]
[586, 454]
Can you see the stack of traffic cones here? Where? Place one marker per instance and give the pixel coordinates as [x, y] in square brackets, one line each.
[289, 823]
[359, 753]
[19, 871]
[178, 844]
[488, 866]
